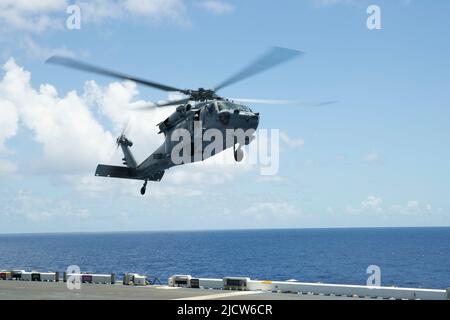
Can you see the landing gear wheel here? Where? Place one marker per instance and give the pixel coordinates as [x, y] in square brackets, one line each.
[144, 187]
[238, 154]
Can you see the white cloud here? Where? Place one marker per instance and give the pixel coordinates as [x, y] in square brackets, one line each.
[64, 126]
[204, 176]
[8, 122]
[31, 16]
[92, 187]
[27, 6]
[374, 205]
[145, 10]
[161, 8]
[24, 21]
[216, 7]
[39, 16]
[370, 205]
[36, 209]
[270, 210]
[412, 208]
[291, 142]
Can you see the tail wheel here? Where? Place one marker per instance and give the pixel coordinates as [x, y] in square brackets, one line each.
[144, 187]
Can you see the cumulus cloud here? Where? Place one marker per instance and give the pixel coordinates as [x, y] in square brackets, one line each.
[64, 126]
[8, 122]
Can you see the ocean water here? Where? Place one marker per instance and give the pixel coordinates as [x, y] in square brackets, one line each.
[408, 257]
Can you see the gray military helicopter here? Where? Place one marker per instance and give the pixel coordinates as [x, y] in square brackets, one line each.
[203, 105]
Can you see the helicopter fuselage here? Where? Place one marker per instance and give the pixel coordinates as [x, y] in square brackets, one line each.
[222, 116]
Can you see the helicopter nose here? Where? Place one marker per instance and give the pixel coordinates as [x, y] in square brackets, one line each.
[253, 120]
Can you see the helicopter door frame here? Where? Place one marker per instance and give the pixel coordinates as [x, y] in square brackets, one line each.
[216, 106]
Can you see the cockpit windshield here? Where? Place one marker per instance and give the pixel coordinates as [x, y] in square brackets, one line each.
[227, 105]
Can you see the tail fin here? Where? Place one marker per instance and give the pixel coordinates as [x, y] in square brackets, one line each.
[128, 158]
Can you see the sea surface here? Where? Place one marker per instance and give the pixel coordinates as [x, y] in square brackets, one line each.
[408, 257]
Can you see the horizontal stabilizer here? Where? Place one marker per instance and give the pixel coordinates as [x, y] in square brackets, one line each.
[116, 172]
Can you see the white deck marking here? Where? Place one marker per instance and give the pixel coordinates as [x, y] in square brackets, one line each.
[220, 295]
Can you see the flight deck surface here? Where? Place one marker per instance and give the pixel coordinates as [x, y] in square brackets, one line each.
[26, 290]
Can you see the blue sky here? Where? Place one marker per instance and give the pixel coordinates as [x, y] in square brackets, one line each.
[379, 157]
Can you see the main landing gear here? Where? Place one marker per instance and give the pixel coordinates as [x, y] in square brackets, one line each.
[144, 187]
[238, 153]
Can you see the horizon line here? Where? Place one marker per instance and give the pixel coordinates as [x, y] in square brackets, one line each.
[212, 230]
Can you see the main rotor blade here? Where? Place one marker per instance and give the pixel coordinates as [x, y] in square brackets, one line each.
[74, 64]
[163, 104]
[272, 58]
[284, 102]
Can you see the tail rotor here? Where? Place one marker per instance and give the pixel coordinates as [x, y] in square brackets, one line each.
[122, 139]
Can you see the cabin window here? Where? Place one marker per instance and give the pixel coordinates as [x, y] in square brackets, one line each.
[226, 105]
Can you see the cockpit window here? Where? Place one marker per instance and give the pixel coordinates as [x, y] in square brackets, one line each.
[226, 105]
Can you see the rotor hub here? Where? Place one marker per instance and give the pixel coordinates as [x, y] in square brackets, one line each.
[202, 94]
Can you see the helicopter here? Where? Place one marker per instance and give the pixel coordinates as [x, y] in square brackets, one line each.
[199, 106]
